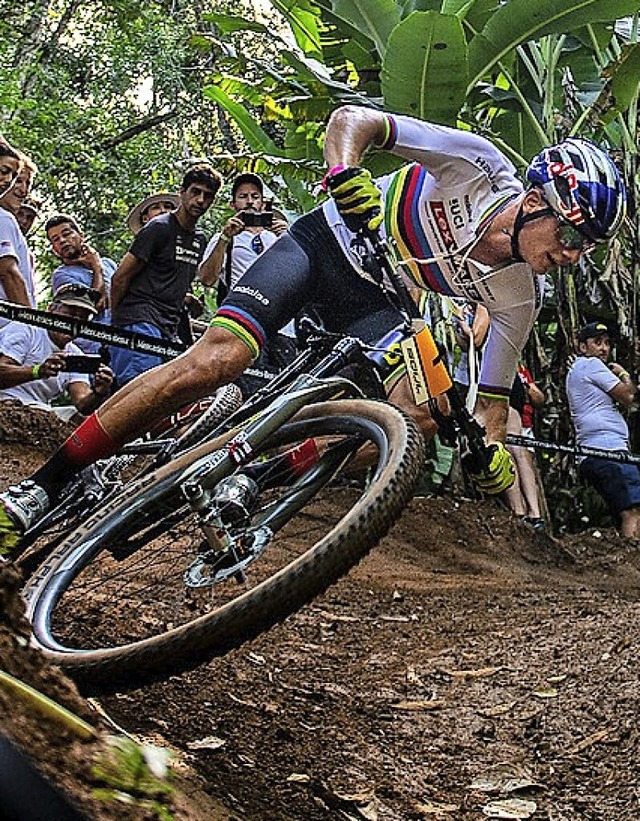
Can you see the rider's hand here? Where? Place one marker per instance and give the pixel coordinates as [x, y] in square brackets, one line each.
[500, 473]
[358, 199]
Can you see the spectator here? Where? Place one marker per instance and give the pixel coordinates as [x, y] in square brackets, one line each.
[17, 279]
[593, 389]
[150, 207]
[10, 163]
[32, 361]
[228, 255]
[27, 213]
[233, 249]
[81, 265]
[152, 280]
[523, 497]
[471, 326]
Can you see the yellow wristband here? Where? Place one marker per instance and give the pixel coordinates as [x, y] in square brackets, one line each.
[622, 374]
[35, 372]
[224, 238]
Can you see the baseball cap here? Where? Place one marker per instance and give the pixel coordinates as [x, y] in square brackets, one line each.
[134, 220]
[592, 330]
[77, 295]
[254, 179]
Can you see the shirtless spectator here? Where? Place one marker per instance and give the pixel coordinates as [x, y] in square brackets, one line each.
[81, 265]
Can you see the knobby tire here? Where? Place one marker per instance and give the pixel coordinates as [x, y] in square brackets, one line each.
[103, 566]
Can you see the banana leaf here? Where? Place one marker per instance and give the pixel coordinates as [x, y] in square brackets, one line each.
[424, 71]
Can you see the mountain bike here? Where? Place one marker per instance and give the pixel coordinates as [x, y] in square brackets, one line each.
[217, 543]
[108, 477]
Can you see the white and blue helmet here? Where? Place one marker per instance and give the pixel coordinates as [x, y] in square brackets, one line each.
[581, 184]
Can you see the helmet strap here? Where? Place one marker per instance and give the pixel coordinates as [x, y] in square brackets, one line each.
[520, 221]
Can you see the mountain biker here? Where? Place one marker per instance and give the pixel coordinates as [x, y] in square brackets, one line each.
[464, 225]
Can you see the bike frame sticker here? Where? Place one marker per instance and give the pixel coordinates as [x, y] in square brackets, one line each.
[428, 375]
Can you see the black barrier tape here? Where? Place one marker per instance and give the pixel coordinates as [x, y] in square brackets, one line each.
[94, 331]
[600, 453]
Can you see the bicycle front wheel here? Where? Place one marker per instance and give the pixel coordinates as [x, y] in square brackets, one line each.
[127, 597]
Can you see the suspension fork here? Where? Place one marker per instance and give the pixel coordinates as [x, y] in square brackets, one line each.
[240, 449]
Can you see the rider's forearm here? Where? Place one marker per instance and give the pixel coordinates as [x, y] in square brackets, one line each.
[492, 414]
[350, 131]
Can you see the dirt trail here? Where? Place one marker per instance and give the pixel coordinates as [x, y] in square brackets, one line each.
[466, 667]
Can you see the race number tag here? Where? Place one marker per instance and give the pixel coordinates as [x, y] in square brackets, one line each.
[427, 373]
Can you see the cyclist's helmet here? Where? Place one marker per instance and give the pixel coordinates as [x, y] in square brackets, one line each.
[582, 185]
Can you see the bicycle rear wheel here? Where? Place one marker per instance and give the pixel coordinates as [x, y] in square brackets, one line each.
[111, 604]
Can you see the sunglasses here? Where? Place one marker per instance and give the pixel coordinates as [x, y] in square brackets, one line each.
[257, 244]
[570, 238]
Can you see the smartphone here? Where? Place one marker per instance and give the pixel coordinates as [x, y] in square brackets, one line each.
[253, 219]
[82, 363]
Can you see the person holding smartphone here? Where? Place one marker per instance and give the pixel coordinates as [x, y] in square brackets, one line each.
[249, 231]
[37, 364]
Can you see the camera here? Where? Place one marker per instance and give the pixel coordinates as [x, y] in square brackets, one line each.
[82, 363]
[255, 219]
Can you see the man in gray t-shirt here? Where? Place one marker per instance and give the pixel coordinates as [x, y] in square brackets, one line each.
[593, 389]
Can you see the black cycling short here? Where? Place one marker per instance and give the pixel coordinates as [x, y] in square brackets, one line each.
[306, 268]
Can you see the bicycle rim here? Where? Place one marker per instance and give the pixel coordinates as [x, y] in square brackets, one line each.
[112, 605]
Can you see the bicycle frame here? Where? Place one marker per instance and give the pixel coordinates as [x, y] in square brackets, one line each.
[309, 378]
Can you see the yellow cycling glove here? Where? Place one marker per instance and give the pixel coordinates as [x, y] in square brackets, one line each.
[357, 198]
[500, 473]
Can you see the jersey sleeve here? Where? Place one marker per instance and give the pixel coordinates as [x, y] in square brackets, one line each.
[448, 153]
[509, 329]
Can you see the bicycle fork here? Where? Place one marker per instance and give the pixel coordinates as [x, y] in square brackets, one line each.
[232, 548]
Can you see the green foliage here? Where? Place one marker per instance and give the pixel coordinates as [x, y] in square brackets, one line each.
[113, 98]
[135, 775]
[421, 72]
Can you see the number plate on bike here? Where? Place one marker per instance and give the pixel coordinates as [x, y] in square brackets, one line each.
[428, 375]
